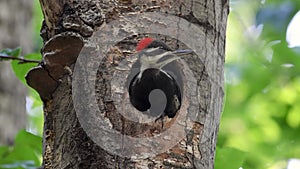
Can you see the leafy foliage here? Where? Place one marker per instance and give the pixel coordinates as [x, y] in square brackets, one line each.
[24, 154]
[19, 69]
[37, 24]
[262, 113]
[11, 52]
[229, 158]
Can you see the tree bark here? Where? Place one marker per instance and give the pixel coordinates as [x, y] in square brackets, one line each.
[15, 28]
[68, 142]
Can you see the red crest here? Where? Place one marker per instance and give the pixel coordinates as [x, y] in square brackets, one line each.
[144, 43]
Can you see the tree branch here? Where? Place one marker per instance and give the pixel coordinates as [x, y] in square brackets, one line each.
[21, 60]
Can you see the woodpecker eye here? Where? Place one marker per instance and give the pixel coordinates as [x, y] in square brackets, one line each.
[147, 43]
[160, 45]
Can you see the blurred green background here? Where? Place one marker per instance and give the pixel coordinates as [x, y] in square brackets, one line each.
[260, 124]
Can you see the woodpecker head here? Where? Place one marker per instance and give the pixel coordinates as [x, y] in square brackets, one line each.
[156, 54]
[148, 43]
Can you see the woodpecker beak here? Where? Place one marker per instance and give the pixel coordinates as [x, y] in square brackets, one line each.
[183, 51]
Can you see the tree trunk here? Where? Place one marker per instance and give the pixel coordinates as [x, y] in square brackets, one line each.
[87, 124]
[15, 28]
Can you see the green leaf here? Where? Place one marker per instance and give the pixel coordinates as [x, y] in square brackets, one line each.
[12, 52]
[22, 69]
[27, 139]
[19, 165]
[37, 21]
[229, 158]
[35, 97]
[26, 152]
[3, 151]
[20, 153]
[15, 52]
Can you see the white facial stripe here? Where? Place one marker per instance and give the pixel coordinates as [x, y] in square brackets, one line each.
[165, 62]
[150, 50]
[151, 61]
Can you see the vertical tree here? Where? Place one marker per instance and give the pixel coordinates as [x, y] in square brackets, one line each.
[12, 92]
[71, 140]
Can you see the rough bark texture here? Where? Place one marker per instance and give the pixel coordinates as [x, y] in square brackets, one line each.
[66, 145]
[15, 28]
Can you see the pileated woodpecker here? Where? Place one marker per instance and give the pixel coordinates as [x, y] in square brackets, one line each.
[153, 56]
